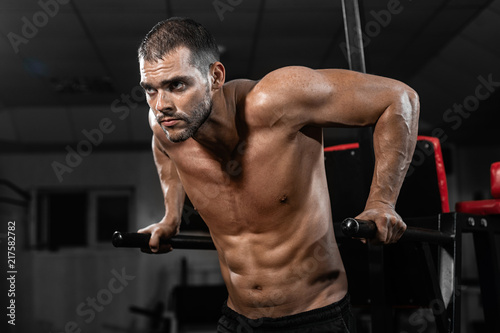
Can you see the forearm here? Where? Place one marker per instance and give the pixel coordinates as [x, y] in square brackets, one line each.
[174, 196]
[394, 140]
[172, 189]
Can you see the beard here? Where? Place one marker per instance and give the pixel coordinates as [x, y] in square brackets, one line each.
[199, 115]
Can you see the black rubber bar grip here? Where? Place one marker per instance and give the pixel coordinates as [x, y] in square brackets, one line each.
[367, 229]
[131, 239]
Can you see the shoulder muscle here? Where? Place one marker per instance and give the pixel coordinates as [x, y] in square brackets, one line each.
[286, 94]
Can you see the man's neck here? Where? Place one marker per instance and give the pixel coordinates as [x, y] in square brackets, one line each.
[219, 134]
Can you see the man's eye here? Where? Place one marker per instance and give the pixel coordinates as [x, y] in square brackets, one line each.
[177, 85]
[149, 91]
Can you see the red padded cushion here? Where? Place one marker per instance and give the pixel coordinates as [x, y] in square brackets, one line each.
[479, 207]
[495, 180]
[441, 173]
[485, 207]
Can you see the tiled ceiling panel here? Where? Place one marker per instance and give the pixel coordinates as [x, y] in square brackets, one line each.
[84, 56]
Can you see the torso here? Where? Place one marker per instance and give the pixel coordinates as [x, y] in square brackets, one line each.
[268, 210]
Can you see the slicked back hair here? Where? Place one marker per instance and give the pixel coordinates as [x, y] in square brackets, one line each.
[168, 35]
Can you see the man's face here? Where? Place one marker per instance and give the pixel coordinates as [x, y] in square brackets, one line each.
[178, 94]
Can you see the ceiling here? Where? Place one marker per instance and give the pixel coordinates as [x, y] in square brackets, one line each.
[66, 66]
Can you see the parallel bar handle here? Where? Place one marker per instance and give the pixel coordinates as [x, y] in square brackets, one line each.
[359, 228]
[367, 229]
[137, 240]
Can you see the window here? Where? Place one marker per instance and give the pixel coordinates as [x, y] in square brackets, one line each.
[65, 221]
[112, 215]
[82, 217]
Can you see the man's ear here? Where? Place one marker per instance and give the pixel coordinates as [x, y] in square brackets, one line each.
[217, 75]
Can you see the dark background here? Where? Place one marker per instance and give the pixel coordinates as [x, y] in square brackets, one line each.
[70, 67]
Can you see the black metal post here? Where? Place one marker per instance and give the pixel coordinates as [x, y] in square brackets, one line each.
[356, 59]
[488, 264]
[353, 35]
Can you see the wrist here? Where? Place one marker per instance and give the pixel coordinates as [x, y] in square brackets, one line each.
[372, 203]
[170, 223]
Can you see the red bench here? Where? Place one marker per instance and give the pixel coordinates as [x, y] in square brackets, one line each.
[485, 207]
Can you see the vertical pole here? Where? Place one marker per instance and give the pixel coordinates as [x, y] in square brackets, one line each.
[356, 58]
[353, 36]
[489, 273]
[381, 312]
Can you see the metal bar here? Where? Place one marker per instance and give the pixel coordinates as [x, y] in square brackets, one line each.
[449, 239]
[367, 229]
[356, 59]
[353, 35]
[255, 38]
[381, 311]
[450, 268]
[489, 276]
[136, 240]
[437, 304]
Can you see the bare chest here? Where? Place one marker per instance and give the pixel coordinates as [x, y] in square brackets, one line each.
[261, 182]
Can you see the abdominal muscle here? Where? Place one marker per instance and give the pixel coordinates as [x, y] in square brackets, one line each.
[282, 273]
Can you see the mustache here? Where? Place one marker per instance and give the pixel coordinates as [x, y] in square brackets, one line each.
[176, 115]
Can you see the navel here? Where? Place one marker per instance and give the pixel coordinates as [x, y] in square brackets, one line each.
[284, 199]
[257, 287]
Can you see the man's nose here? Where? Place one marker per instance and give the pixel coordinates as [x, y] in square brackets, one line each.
[163, 102]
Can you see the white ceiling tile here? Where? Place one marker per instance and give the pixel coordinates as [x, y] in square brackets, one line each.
[291, 32]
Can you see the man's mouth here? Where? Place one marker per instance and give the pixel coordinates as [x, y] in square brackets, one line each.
[169, 122]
